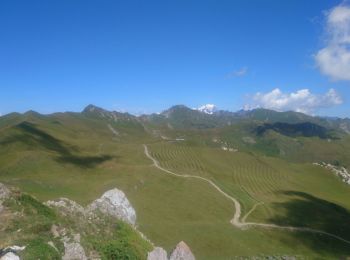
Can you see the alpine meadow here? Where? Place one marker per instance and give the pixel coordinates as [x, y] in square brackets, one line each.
[264, 173]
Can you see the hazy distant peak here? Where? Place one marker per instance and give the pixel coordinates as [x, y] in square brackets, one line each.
[31, 112]
[92, 108]
[176, 108]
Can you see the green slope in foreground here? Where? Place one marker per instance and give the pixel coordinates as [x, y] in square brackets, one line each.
[79, 157]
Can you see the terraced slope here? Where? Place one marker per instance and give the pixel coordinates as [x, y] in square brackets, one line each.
[264, 181]
[246, 176]
[237, 220]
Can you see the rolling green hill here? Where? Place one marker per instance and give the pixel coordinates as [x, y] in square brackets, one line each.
[262, 158]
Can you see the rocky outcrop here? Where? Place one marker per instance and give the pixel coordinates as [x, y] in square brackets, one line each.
[341, 172]
[71, 242]
[115, 204]
[66, 206]
[158, 253]
[10, 256]
[10, 253]
[73, 251]
[182, 252]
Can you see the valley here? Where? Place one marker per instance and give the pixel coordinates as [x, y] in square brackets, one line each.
[253, 202]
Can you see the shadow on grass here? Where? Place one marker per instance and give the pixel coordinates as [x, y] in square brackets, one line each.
[306, 129]
[34, 137]
[306, 210]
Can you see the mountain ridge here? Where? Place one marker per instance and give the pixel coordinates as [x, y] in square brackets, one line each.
[183, 117]
[241, 112]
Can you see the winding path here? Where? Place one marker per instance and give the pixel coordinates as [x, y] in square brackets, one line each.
[236, 217]
[251, 210]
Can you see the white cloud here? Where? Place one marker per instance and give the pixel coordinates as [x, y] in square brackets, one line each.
[208, 109]
[238, 73]
[301, 101]
[334, 59]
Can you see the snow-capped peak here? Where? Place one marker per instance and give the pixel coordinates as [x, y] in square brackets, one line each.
[208, 109]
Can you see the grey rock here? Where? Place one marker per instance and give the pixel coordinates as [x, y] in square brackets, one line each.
[66, 206]
[10, 256]
[10, 253]
[182, 252]
[4, 194]
[158, 253]
[73, 251]
[114, 203]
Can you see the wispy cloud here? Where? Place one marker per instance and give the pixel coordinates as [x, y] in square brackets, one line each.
[238, 73]
[301, 101]
[334, 59]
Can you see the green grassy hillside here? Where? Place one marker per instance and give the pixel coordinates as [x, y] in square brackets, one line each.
[81, 155]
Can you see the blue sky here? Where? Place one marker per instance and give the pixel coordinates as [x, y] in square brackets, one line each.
[144, 56]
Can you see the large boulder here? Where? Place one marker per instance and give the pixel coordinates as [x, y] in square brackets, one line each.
[158, 253]
[115, 204]
[182, 252]
[10, 253]
[10, 256]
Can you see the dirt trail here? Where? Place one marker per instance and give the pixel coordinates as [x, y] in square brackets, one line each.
[236, 217]
[251, 210]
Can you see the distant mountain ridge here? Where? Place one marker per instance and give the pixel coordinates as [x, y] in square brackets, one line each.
[262, 114]
[182, 117]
